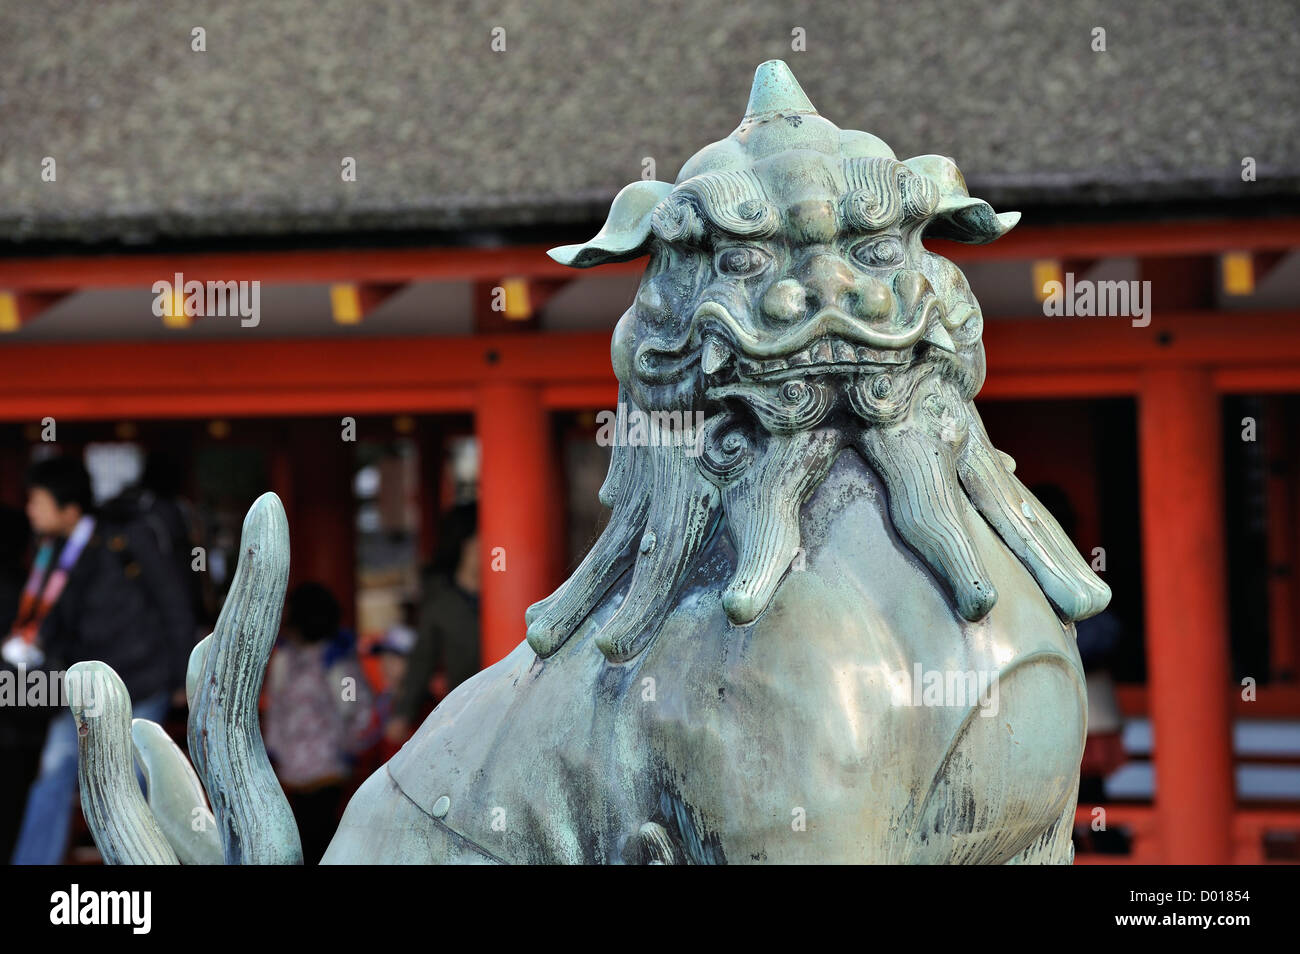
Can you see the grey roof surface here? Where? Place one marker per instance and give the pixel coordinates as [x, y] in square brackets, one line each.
[153, 140]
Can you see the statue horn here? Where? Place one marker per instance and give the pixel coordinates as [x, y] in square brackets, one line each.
[958, 216]
[625, 232]
[775, 90]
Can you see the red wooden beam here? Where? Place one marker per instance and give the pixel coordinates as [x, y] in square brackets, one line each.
[230, 402]
[1032, 357]
[1211, 338]
[1270, 702]
[272, 377]
[1202, 237]
[1140, 239]
[1013, 384]
[1257, 379]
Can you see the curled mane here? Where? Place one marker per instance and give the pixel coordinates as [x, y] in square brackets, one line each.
[758, 458]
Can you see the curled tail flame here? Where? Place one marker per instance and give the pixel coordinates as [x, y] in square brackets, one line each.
[250, 821]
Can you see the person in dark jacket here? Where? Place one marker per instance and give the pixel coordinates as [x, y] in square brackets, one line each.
[448, 627]
[100, 589]
[159, 498]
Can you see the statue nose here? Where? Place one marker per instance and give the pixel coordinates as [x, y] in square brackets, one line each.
[826, 280]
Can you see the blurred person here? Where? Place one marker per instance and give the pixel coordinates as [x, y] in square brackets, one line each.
[318, 705]
[391, 651]
[157, 501]
[99, 588]
[22, 728]
[448, 631]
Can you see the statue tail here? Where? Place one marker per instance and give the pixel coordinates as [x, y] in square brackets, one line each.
[250, 821]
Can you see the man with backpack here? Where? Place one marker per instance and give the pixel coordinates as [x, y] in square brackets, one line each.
[101, 587]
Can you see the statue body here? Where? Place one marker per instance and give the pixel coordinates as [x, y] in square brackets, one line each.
[825, 622]
[743, 732]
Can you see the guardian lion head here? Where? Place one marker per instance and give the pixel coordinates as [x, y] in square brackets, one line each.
[791, 305]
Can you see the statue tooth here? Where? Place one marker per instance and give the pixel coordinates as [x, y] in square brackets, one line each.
[821, 352]
[938, 336]
[843, 351]
[800, 358]
[776, 364]
[715, 356]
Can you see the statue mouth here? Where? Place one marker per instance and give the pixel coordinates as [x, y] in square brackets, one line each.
[829, 355]
[712, 319]
[829, 342]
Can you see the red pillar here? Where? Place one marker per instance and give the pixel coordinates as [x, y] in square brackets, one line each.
[1186, 613]
[517, 503]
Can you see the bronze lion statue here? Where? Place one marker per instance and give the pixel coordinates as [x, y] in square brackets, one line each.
[825, 622]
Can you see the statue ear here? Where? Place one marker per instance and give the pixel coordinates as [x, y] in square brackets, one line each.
[626, 230]
[958, 216]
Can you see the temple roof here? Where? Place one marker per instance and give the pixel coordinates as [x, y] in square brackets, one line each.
[154, 142]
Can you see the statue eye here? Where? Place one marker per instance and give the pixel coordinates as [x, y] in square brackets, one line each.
[741, 261]
[879, 252]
